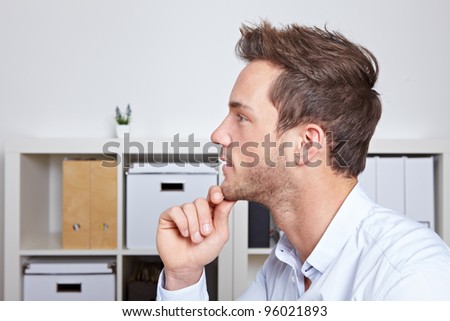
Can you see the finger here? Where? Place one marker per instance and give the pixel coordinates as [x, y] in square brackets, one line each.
[174, 216]
[215, 195]
[204, 216]
[190, 212]
[221, 214]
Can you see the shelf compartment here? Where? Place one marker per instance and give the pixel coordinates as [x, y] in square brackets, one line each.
[140, 274]
[41, 199]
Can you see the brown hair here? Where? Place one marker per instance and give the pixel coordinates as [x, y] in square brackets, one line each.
[327, 80]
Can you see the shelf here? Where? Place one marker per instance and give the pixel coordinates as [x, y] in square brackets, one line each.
[58, 145]
[51, 245]
[68, 252]
[139, 252]
[111, 146]
[409, 146]
[259, 251]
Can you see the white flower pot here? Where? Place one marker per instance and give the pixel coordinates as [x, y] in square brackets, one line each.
[121, 130]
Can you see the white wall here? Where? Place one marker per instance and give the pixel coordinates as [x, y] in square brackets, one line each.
[66, 64]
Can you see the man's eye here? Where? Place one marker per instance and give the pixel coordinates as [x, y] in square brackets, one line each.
[241, 118]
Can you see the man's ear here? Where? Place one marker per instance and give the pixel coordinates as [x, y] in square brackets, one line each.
[312, 144]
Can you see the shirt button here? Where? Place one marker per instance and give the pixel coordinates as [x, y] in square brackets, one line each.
[293, 279]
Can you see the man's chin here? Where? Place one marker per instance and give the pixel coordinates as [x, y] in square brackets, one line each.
[230, 192]
[236, 193]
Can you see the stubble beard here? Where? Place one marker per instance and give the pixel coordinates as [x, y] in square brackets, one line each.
[265, 185]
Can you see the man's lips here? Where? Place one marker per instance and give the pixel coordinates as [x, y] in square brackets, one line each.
[226, 162]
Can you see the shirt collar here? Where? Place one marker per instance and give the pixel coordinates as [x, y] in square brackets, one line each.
[345, 223]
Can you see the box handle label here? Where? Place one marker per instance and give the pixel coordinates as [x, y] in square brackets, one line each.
[172, 187]
[68, 287]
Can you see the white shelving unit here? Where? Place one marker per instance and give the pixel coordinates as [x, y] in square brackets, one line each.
[33, 202]
[33, 208]
[247, 261]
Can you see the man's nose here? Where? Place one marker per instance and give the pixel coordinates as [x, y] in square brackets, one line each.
[221, 134]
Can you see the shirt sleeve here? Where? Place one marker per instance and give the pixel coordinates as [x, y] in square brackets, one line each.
[422, 285]
[195, 292]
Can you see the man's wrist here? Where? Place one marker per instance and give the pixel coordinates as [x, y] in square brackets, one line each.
[176, 280]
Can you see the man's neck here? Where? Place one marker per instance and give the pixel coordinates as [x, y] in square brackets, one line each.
[305, 214]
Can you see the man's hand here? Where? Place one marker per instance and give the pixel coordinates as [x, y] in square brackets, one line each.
[191, 236]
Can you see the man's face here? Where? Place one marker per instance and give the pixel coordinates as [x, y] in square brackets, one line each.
[251, 169]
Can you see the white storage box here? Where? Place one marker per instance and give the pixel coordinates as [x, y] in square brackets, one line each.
[151, 189]
[69, 280]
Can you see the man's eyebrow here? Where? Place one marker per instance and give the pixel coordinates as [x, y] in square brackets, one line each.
[236, 104]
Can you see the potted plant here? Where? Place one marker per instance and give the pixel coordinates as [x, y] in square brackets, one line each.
[123, 121]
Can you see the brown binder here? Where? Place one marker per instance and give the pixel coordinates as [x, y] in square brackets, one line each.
[76, 205]
[89, 205]
[103, 206]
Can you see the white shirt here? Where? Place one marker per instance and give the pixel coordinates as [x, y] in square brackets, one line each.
[367, 253]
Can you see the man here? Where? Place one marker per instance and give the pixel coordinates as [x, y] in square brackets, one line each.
[301, 115]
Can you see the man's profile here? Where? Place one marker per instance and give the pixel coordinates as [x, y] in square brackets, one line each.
[312, 92]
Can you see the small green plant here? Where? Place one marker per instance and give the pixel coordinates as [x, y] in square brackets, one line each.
[123, 119]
